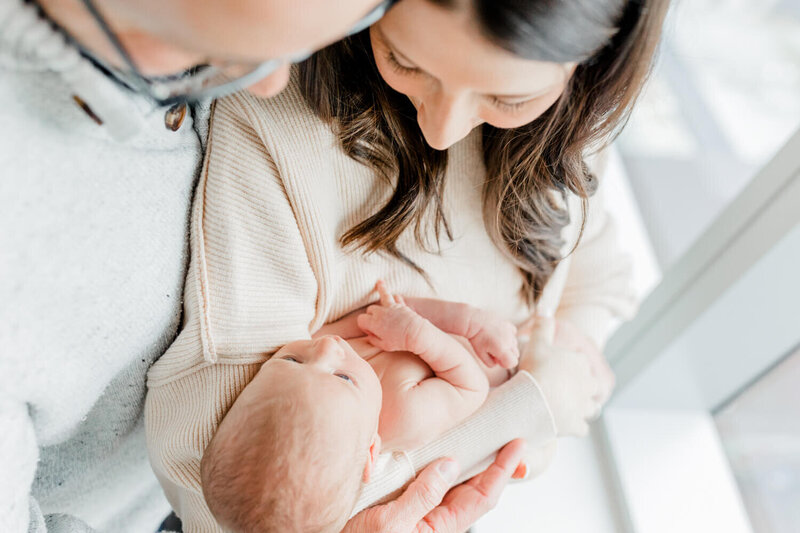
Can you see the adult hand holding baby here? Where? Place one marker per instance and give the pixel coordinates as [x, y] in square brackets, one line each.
[429, 505]
[571, 371]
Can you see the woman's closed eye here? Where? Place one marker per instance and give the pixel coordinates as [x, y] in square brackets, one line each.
[399, 67]
[291, 358]
[504, 105]
[509, 106]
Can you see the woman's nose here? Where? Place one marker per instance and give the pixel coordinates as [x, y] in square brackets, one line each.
[444, 119]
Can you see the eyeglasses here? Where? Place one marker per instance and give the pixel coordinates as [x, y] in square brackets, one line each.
[210, 81]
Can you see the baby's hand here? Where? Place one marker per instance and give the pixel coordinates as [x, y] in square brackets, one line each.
[494, 340]
[392, 326]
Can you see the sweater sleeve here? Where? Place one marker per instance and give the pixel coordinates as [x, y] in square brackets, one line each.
[516, 409]
[597, 293]
[19, 453]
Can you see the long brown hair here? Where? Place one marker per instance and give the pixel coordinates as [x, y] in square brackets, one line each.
[613, 42]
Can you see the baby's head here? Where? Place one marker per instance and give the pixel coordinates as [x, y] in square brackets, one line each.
[291, 453]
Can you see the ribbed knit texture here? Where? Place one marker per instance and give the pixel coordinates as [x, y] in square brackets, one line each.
[266, 268]
[514, 410]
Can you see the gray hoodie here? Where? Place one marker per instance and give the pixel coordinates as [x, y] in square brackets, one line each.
[93, 250]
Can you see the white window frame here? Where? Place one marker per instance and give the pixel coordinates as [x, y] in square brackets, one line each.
[721, 317]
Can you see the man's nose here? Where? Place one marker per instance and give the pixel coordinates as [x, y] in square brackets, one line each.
[445, 119]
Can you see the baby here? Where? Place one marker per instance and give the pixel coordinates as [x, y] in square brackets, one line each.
[293, 450]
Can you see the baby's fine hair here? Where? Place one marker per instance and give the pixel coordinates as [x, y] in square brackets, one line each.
[269, 469]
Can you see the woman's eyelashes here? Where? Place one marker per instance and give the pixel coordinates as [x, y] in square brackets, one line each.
[399, 67]
[508, 106]
[290, 358]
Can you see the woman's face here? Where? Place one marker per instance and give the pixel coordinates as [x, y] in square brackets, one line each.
[455, 77]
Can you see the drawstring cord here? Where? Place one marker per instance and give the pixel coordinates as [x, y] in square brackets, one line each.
[29, 42]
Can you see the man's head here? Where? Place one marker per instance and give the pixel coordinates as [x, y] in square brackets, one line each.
[297, 443]
[167, 36]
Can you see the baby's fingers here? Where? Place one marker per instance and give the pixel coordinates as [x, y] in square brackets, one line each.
[509, 358]
[366, 321]
[496, 355]
[387, 299]
[506, 357]
[486, 358]
[375, 341]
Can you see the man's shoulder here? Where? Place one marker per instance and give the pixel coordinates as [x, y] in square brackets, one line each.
[93, 238]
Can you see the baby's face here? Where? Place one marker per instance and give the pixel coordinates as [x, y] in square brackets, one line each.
[341, 380]
[314, 407]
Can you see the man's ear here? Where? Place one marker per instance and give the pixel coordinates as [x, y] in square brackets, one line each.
[372, 456]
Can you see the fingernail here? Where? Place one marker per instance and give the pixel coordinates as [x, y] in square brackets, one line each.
[449, 470]
[521, 472]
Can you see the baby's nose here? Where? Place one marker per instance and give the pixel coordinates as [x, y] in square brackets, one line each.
[327, 348]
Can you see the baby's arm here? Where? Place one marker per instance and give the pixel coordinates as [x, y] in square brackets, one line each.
[414, 411]
[393, 326]
[493, 339]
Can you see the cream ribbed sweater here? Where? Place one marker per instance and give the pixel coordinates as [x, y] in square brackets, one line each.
[266, 268]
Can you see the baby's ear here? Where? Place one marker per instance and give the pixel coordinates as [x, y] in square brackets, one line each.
[372, 456]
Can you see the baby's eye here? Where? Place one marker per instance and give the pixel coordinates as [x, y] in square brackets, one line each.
[290, 358]
[344, 377]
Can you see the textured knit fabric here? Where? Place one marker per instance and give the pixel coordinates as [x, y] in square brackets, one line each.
[514, 410]
[275, 195]
[93, 256]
